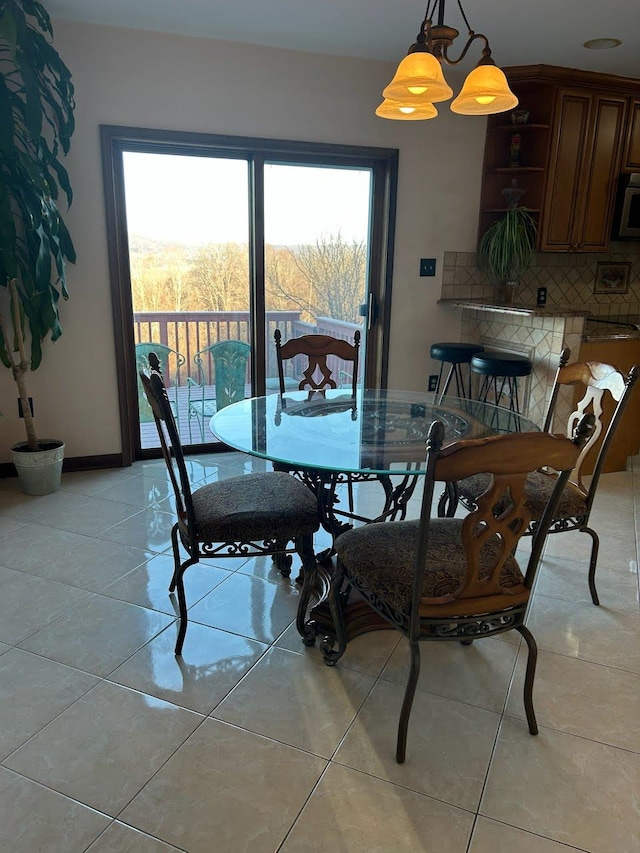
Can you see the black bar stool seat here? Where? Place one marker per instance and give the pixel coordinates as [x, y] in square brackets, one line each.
[504, 366]
[455, 354]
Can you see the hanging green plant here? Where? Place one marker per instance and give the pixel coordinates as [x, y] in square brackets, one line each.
[508, 246]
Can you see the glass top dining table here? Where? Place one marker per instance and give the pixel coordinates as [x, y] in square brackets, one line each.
[377, 432]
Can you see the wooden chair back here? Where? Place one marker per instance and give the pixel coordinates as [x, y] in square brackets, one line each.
[597, 379]
[317, 376]
[500, 515]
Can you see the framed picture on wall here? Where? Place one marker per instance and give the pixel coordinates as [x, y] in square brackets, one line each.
[612, 277]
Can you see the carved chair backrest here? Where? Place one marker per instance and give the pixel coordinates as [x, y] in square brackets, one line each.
[230, 363]
[597, 379]
[509, 459]
[156, 393]
[318, 376]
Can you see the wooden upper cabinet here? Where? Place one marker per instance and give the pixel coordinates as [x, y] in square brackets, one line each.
[584, 162]
[583, 130]
[632, 151]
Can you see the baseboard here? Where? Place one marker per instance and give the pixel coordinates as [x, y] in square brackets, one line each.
[74, 463]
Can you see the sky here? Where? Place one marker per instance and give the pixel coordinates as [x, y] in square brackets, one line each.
[195, 200]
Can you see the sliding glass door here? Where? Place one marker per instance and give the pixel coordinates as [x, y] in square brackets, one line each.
[215, 242]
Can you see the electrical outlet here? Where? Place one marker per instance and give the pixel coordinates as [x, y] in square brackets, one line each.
[542, 296]
[427, 266]
[433, 382]
[20, 412]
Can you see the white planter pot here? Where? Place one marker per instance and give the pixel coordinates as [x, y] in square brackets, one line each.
[40, 473]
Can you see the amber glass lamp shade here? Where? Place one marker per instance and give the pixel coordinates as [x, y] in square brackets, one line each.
[400, 112]
[418, 80]
[485, 92]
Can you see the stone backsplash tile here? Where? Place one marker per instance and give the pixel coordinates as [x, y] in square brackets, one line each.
[569, 279]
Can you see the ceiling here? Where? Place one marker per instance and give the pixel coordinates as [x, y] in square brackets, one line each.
[520, 33]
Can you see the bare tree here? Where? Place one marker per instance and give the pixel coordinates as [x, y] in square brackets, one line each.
[331, 279]
[219, 277]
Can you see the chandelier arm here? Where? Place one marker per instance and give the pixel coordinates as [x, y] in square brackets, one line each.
[464, 17]
[486, 51]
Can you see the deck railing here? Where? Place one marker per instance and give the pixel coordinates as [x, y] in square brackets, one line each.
[188, 332]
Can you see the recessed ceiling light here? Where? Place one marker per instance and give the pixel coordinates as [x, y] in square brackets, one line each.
[602, 44]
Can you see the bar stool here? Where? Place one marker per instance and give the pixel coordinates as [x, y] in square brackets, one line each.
[505, 366]
[455, 354]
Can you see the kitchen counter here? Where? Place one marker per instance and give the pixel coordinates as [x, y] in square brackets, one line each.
[517, 310]
[604, 330]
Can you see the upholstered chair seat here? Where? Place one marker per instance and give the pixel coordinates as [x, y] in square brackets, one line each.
[381, 557]
[573, 503]
[255, 507]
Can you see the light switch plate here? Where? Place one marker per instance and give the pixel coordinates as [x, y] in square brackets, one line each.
[427, 266]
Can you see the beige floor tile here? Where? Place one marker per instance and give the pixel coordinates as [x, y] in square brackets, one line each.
[605, 635]
[226, 784]
[18, 507]
[34, 544]
[212, 664]
[28, 603]
[94, 482]
[37, 819]
[448, 746]
[147, 489]
[559, 577]
[350, 811]
[565, 788]
[489, 836]
[4, 648]
[98, 636]
[9, 525]
[149, 529]
[250, 606]
[119, 838]
[105, 747]
[33, 691]
[478, 674]
[148, 585]
[87, 515]
[296, 700]
[618, 552]
[93, 565]
[575, 696]
[367, 653]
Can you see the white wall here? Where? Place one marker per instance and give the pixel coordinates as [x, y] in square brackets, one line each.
[127, 77]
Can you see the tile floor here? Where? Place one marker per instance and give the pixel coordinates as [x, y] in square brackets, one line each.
[109, 744]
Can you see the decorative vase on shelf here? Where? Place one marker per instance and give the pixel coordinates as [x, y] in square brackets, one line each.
[515, 144]
[513, 194]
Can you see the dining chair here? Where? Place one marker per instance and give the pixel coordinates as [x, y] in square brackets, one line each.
[229, 360]
[246, 516]
[163, 353]
[595, 381]
[449, 578]
[317, 374]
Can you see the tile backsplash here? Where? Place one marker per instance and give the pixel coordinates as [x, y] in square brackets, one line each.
[568, 276]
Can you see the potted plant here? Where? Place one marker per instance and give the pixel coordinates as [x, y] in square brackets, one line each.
[507, 249]
[36, 124]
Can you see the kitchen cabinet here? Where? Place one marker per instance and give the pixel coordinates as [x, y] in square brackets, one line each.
[569, 154]
[632, 148]
[584, 162]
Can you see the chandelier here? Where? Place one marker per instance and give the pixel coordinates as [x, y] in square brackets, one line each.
[419, 82]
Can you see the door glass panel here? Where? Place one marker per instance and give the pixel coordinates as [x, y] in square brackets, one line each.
[188, 230]
[317, 223]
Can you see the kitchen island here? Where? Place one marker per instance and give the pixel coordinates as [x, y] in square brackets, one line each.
[538, 333]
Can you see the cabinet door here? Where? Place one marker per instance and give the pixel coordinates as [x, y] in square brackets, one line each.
[583, 166]
[571, 124]
[632, 155]
[601, 167]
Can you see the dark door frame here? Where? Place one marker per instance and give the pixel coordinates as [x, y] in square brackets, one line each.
[383, 162]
